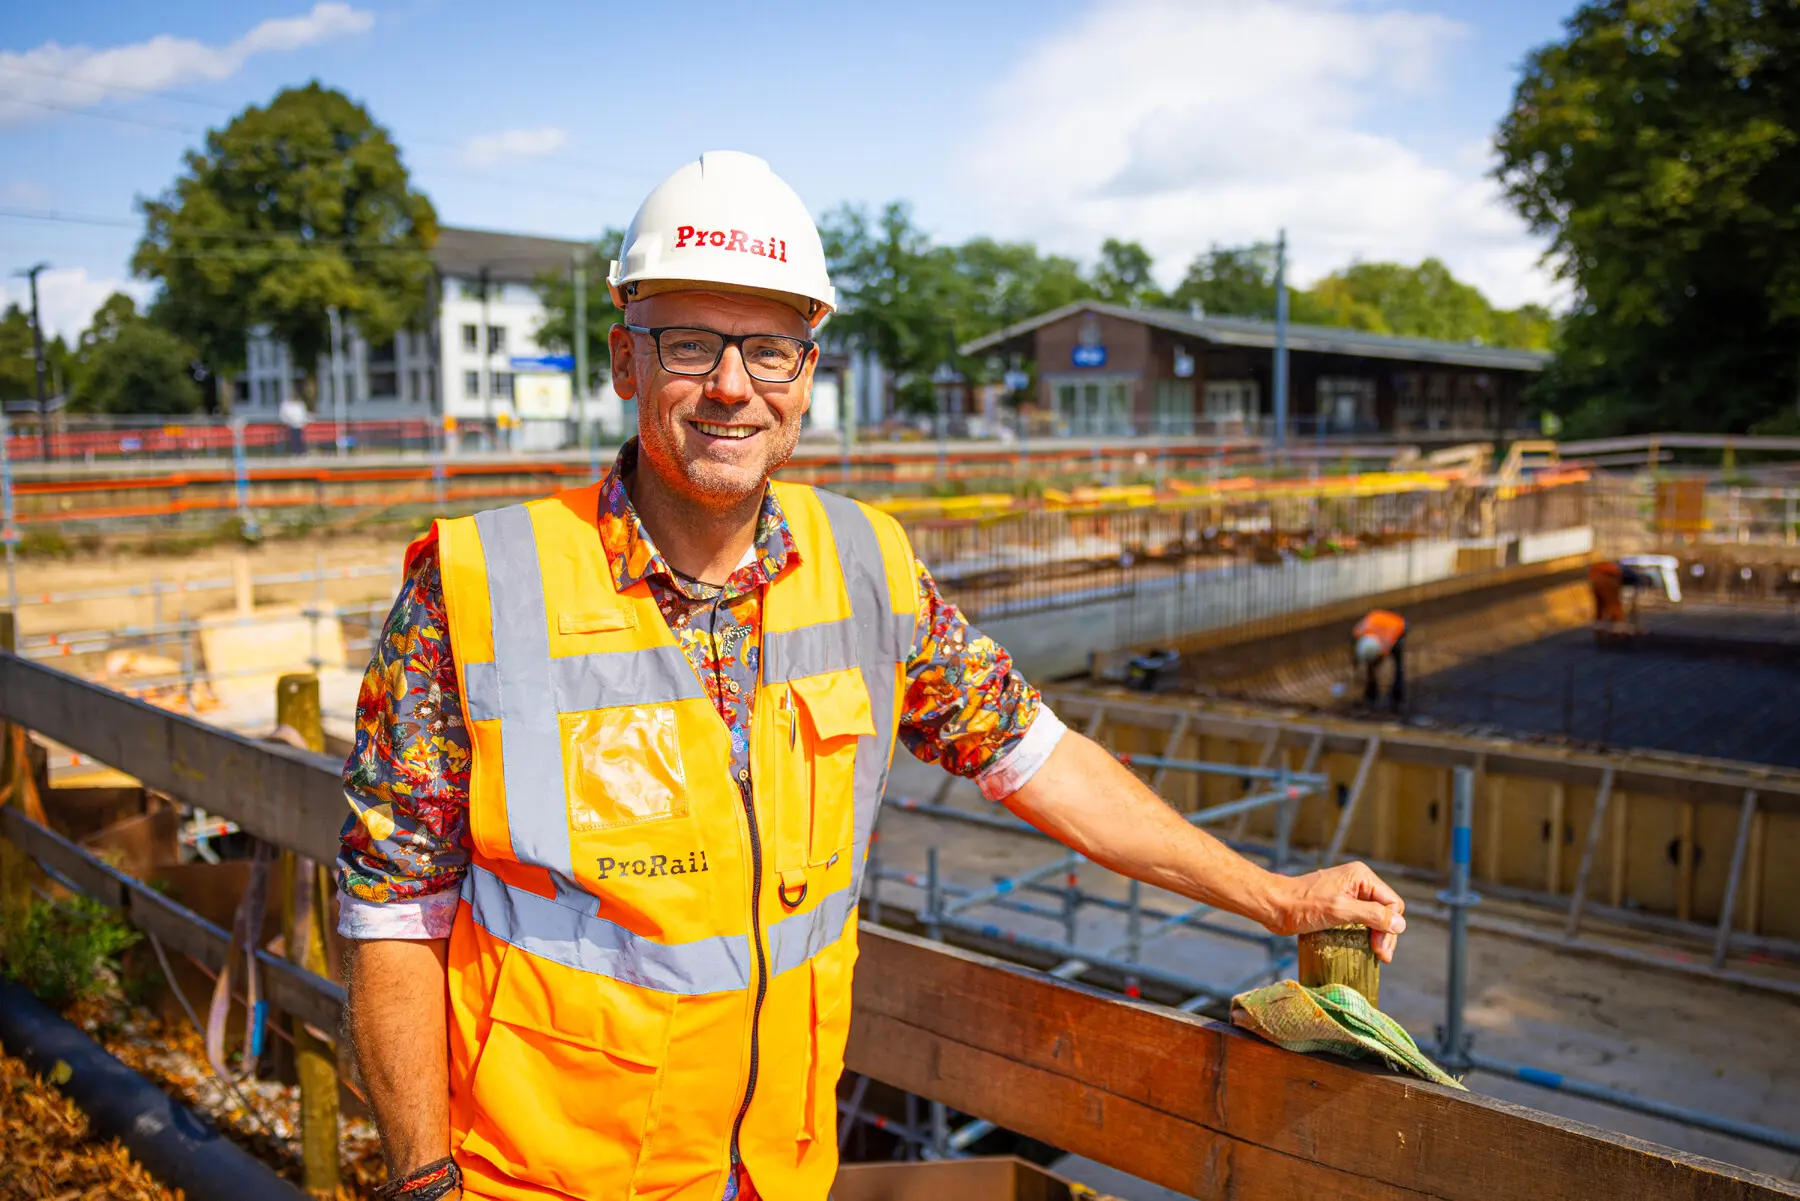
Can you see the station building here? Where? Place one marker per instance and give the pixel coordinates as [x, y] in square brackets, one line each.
[1109, 370]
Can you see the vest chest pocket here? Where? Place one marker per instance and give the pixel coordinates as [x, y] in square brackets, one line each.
[836, 705]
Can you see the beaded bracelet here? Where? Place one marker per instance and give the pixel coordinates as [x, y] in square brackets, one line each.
[429, 1183]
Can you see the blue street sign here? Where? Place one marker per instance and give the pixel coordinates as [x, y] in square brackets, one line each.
[543, 362]
[1089, 356]
[1016, 381]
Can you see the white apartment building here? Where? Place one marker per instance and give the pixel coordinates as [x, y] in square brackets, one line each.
[460, 372]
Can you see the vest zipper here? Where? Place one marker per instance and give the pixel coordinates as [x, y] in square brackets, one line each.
[762, 967]
[762, 963]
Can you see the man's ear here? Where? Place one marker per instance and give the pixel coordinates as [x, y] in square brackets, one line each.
[624, 362]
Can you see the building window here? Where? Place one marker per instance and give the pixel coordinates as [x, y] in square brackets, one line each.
[1096, 407]
[496, 339]
[472, 385]
[1174, 406]
[416, 392]
[503, 385]
[471, 337]
[1231, 404]
[1346, 403]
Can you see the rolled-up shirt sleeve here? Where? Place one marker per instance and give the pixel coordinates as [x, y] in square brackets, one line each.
[404, 847]
[967, 708]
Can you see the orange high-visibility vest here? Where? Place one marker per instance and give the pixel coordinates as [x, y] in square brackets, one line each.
[1385, 626]
[644, 971]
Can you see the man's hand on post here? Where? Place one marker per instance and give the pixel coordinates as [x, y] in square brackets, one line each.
[1348, 894]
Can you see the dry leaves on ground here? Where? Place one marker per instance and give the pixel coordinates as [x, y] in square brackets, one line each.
[50, 1154]
[171, 1055]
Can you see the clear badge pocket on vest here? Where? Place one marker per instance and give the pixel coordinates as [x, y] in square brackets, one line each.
[837, 714]
[566, 1085]
[622, 767]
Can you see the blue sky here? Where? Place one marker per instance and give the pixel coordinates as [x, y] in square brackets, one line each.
[1361, 127]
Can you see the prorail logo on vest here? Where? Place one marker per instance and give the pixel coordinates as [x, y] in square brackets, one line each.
[653, 865]
[687, 237]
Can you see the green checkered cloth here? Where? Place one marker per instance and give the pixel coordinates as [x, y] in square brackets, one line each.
[1336, 1019]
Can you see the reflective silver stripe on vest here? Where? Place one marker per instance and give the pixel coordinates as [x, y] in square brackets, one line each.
[884, 639]
[797, 937]
[810, 651]
[589, 943]
[530, 740]
[652, 676]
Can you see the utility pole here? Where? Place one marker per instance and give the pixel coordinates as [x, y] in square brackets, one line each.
[37, 350]
[1281, 354]
[485, 347]
[578, 338]
[337, 377]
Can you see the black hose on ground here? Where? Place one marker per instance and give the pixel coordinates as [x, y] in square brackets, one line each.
[162, 1134]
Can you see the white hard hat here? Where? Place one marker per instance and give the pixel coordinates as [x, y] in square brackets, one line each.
[1368, 649]
[725, 222]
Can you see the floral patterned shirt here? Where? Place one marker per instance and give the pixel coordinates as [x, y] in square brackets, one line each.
[407, 779]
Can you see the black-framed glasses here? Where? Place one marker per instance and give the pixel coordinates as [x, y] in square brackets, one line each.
[691, 350]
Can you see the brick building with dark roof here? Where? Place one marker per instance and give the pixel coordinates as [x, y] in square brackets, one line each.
[1110, 370]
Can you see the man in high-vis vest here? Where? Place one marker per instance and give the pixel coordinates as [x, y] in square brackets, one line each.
[619, 754]
[1380, 637]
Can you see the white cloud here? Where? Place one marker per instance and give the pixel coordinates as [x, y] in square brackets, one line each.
[68, 296]
[1181, 123]
[490, 149]
[63, 77]
[26, 194]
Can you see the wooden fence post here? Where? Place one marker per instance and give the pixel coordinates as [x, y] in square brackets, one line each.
[305, 906]
[16, 786]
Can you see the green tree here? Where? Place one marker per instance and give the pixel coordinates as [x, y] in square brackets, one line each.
[1420, 302]
[1122, 276]
[1231, 281]
[557, 291]
[1008, 282]
[898, 294]
[1658, 145]
[18, 362]
[129, 364]
[18, 372]
[289, 209]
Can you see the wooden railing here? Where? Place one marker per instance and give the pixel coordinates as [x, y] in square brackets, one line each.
[1189, 1104]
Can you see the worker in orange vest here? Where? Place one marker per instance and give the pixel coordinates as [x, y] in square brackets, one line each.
[1378, 638]
[619, 755]
[1608, 581]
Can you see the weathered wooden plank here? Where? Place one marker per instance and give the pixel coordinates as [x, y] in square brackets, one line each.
[290, 798]
[1208, 1111]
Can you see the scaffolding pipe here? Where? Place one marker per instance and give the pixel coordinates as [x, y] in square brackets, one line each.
[1006, 884]
[1459, 898]
[1700, 1119]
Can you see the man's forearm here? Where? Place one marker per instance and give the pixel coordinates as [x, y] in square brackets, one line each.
[398, 1021]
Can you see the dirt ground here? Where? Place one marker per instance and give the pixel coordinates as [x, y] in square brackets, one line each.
[123, 568]
[1706, 1046]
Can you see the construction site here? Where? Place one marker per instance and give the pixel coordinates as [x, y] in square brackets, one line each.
[1588, 826]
